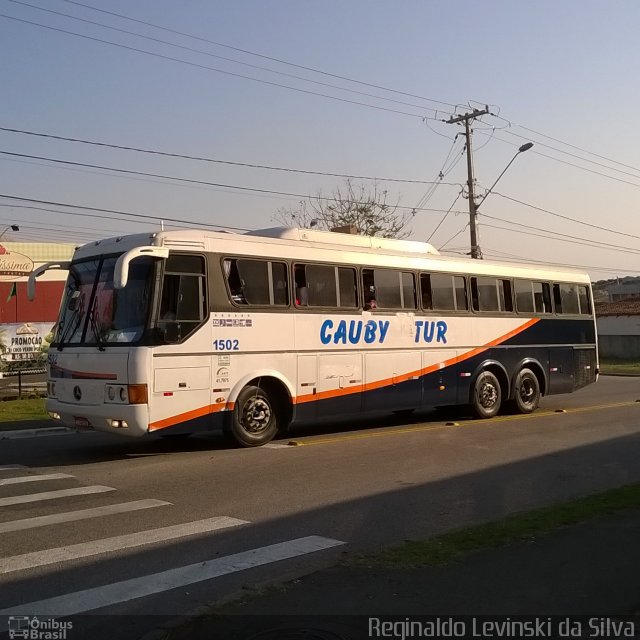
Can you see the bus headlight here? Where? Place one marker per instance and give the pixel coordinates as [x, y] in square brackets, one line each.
[126, 394]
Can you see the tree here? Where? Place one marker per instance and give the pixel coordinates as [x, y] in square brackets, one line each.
[363, 206]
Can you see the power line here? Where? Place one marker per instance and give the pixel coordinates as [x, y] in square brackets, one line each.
[559, 215]
[441, 174]
[208, 68]
[265, 57]
[512, 258]
[573, 164]
[189, 180]
[444, 217]
[573, 146]
[594, 244]
[119, 213]
[147, 180]
[573, 155]
[216, 161]
[28, 224]
[213, 55]
[441, 247]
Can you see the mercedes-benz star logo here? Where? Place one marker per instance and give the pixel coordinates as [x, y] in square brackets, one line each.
[77, 392]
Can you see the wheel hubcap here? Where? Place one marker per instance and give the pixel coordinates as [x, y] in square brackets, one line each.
[526, 391]
[256, 415]
[488, 395]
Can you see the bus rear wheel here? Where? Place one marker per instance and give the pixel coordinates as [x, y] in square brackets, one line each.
[255, 419]
[526, 391]
[487, 395]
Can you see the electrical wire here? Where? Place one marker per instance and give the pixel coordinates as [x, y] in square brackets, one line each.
[495, 253]
[559, 215]
[213, 55]
[573, 146]
[434, 185]
[191, 180]
[118, 213]
[573, 155]
[265, 57]
[587, 243]
[441, 247]
[444, 217]
[183, 156]
[572, 164]
[216, 70]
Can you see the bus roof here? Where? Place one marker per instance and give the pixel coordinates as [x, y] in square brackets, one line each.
[295, 244]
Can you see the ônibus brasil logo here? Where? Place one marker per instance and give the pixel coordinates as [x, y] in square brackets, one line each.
[32, 627]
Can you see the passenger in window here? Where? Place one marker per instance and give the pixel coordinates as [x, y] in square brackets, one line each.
[370, 303]
[237, 295]
[302, 296]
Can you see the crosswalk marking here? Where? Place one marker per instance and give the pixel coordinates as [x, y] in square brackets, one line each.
[83, 514]
[20, 479]
[118, 592]
[51, 495]
[106, 545]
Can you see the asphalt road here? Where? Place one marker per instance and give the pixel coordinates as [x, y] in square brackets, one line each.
[287, 509]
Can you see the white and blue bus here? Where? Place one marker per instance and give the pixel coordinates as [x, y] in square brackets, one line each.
[177, 332]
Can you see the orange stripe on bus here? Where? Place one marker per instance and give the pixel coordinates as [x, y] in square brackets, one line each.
[190, 415]
[336, 393]
[379, 384]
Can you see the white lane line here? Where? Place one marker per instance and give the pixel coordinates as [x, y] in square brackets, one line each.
[20, 479]
[6, 467]
[51, 495]
[108, 545]
[111, 594]
[83, 514]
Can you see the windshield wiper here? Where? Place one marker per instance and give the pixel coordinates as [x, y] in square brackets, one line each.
[70, 324]
[97, 330]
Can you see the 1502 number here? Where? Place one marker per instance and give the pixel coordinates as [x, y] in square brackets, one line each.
[226, 345]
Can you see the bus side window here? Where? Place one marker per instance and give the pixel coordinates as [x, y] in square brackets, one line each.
[236, 285]
[302, 291]
[427, 295]
[583, 299]
[542, 297]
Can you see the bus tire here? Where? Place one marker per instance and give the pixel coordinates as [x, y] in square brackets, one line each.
[487, 395]
[526, 390]
[254, 421]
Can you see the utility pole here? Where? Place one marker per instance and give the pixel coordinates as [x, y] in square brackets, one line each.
[475, 248]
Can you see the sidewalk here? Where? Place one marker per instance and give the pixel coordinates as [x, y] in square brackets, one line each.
[591, 569]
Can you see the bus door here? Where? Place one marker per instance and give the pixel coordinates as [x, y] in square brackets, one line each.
[181, 393]
[393, 380]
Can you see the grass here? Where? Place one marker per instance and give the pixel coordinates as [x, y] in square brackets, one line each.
[28, 409]
[620, 367]
[517, 528]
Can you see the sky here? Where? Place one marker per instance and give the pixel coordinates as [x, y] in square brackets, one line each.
[359, 88]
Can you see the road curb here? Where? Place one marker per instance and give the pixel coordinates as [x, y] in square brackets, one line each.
[34, 433]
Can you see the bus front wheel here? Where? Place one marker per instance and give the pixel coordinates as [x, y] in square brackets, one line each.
[487, 395]
[526, 391]
[254, 420]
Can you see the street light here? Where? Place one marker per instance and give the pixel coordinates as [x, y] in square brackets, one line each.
[473, 206]
[522, 149]
[13, 227]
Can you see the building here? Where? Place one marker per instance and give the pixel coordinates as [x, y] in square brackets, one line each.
[616, 289]
[619, 329]
[25, 324]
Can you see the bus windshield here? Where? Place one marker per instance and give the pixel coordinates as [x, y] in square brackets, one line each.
[95, 313]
